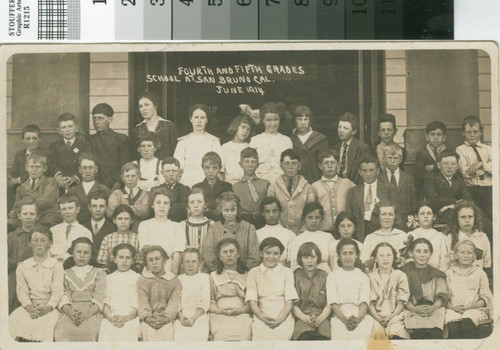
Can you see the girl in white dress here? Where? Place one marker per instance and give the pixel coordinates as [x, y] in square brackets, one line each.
[39, 290]
[120, 321]
[271, 294]
[348, 292]
[192, 319]
[161, 231]
[192, 147]
[425, 218]
[470, 295]
[270, 144]
[389, 293]
[241, 130]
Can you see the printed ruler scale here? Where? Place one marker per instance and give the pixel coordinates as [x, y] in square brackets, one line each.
[126, 20]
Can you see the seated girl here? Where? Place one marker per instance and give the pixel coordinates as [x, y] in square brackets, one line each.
[312, 215]
[120, 321]
[192, 320]
[271, 294]
[425, 218]
[159, 296]
[231, 226]
[470, 295]
[389, 293]
[345, 226]
[348, 293]
[39, 290]
[84, 294]
[425, 313]
[229, 315]
[312, 313]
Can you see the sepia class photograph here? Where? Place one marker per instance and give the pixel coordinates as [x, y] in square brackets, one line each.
[223, 192]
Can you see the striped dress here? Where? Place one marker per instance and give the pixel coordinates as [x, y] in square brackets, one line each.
[83, 287]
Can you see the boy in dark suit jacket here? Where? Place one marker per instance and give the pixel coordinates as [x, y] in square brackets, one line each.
[365, 196]
[98, 224]
[112, 149]
[88, 169]
[43, 190]
[212, 186]
[446, 188]
[350, 149]
[66, 151]
[393, 157]
[427, 159]
[171, 171]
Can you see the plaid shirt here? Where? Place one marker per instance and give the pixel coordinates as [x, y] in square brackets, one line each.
[112, 240]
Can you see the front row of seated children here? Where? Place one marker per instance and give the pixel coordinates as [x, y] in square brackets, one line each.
[82, 303]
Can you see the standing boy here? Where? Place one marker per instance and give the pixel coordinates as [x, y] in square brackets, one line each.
[331, 190]
[98, 223]
[18, 245]
[476, 165]
[292, 190]
[131, 195]
[393, 157]
[171, 171]
[427, 159]
[364, 197]
[212, 186]
[66, 232]
[386, 127]
[88, 169]
[111, 149]
[43, 190]
[350, 149]
[251, 190]
[66, 151]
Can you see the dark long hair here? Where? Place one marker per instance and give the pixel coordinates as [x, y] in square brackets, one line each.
[349, 241]
[240, 266]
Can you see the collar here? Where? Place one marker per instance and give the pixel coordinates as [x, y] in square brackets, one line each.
[223, 278]
[463, 272]
[247, 178]
[478, 144]
[473, 234]
[88, 183]
[300, 271]
[389, 171]
[166, 276]
[276, 269]
[333, 179]
[128, 189]
[21, 230]
[278, 225]
[100, 222]
[159, 119]
[374, 183]
[105, 132]
[347, 142]
[82, 270]
[73, 224]
[394, 232]
[47, 263]
[72, 141]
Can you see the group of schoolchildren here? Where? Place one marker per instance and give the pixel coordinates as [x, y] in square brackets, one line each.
[267, 237]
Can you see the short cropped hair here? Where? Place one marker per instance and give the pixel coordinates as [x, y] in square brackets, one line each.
[270, 107]
[84, 240]
[327, 153]
[191, 250]
[351, 118]
[312, 206]
[27, 201]
[68, 198]
[211, 158]
[65, 117]
[87, 156]
[121, 246]
[101, 194]
[123, 208]
[447, 153]
[345, 215]
[170, 160]
[37, 157]
[147, 136]
[386, 118]
[367, 159]
[249, 152]
[393, 149]
[471, 120]
[153, 248]
[435, 125]
[270, 200]
[130, 166]
[31, 128]
[103, 108]
[289, 153]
